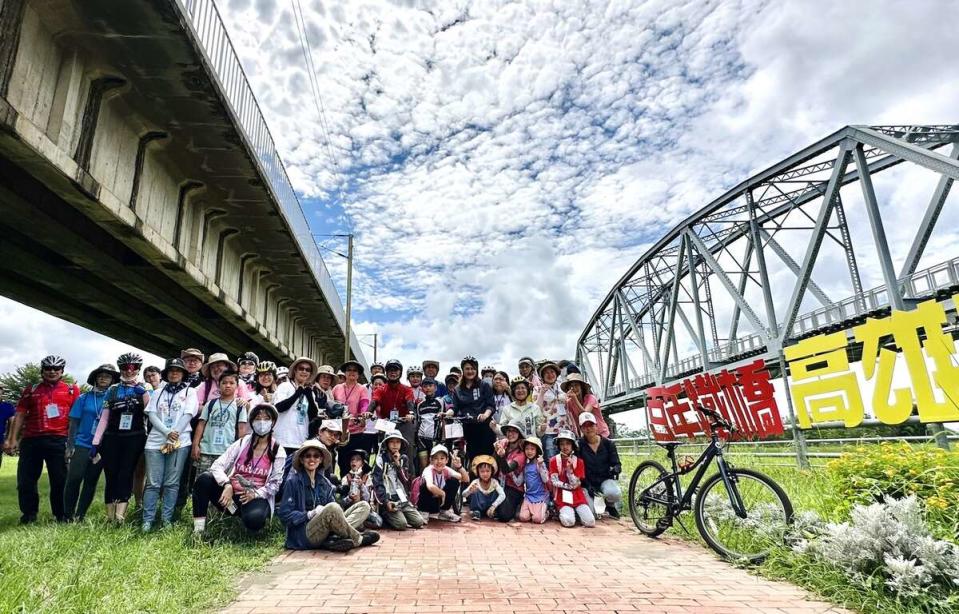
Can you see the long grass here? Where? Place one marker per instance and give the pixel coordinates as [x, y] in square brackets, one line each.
[95, 567]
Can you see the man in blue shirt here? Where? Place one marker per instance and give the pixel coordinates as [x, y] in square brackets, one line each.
[7, 411]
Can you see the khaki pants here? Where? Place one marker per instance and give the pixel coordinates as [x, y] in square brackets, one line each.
[403, 516]
[331, 520]
[357, 514]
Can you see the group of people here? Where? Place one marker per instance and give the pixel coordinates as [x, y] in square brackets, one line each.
[334, 458]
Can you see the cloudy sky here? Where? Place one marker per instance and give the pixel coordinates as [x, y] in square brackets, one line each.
[502, 163]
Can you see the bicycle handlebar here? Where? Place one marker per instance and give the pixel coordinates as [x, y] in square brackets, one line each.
[715, 418]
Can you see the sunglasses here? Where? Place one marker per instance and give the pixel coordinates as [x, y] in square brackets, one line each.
[53, 368]
[311, 456]
[247, 362]
[304, 368]
[129, 367]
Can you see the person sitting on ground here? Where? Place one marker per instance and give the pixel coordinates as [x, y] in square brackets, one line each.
[579, 401]
[429, 410]
[330, 434]
[357, 486]
[222, 422]
[484, 494]
[392, 475]
[308, 510]
[511, 459]
[441, 485]
[603, 467]
[566, 474]
[244, 479]
[533, 477]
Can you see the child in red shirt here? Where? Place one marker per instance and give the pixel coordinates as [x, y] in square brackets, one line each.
[566, 473]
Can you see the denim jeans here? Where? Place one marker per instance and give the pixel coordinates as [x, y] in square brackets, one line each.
[163, 473]
[611, 493]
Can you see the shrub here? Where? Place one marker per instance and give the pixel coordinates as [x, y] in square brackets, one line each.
[887, 546]
[898, 470]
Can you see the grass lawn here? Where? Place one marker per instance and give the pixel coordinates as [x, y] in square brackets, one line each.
[93, 567]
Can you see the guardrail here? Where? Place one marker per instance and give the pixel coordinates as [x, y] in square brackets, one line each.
[204, 20]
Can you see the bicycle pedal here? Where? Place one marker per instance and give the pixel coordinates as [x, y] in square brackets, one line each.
[664, 523]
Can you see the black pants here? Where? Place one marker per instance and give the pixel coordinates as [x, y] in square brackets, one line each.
[120, 455]
[81, 486]
[509, 508]
[34, 452]
[479, 439]
[254, 515]
[430, 503]
[362, 441]
[187, 479]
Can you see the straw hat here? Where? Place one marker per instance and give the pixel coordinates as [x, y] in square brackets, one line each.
[576, 377]
[312, 444]
[309, 361]
[215, 358]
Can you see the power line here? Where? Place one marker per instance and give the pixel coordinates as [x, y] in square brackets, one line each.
[300, 19]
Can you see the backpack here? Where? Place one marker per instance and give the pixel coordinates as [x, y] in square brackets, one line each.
[236, 418]
[415, 490]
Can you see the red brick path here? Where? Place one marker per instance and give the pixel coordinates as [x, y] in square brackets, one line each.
[489, 567]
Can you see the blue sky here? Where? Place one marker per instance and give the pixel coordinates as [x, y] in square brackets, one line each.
[503, 163]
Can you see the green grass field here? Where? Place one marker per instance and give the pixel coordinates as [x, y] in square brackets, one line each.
[93, 567]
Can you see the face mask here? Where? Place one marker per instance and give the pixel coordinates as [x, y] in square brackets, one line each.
[262, 427]
[488, 380]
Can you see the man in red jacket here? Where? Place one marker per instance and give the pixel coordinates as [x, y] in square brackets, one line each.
[43, 417]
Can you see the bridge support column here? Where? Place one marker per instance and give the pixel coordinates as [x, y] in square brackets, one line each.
[799, 438]
[11, 18]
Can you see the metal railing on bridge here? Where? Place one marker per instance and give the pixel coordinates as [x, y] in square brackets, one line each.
[203, 19]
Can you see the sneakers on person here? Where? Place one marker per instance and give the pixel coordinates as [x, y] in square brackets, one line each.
[448, 515]
[434, 516]
[368, 538]
[335, 543]
[476, 516]
[612, 512]
[146, 527]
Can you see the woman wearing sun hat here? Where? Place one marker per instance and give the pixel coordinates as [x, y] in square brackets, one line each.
[552, 400]
[298, 403]
[325, 380]
[170, 411]
[211, 371]
[84, 415]
[580, 400]
[356, 397]
[309, 511]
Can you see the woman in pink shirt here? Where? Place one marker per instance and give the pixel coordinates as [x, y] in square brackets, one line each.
[356, 397]
[580, 399]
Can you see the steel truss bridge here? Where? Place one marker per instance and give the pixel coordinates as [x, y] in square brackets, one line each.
[798, 249]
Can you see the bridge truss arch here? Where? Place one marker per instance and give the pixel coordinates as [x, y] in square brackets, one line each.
[816, 242]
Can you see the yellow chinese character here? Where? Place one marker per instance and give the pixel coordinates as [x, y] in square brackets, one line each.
[905, 326]
[822, 398]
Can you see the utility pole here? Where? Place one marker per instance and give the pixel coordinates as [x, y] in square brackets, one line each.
[374, 347]
[349, 299]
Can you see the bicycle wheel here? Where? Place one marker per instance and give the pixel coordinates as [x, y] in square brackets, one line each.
[768, 514]
[651, 500]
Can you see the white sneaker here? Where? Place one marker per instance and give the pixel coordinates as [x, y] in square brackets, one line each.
[449, 516]
[433, 516]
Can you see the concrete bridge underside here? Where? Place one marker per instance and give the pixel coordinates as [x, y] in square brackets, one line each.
[131, 202]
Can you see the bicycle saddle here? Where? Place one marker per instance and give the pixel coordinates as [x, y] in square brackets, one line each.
[669, 445]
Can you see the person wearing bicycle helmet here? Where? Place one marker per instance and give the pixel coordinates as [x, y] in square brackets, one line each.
[527, 368]
[394, 402]
[414, 375]
[473, 399]
[431, 369]
[264, 386]
[246, 367]
[282, 375]
[602, 467]
[377, 368]
[451, 380]
[534, 479]
[566, 475]
[428, 410]
[484, 494]
[121, 435]
[487, 374]
[39, 433]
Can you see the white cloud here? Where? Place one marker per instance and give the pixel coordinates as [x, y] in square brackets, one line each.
[507, 162]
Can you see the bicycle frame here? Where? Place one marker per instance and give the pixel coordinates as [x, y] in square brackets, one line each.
[683, 501]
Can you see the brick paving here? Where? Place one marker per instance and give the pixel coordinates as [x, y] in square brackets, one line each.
[490, 567]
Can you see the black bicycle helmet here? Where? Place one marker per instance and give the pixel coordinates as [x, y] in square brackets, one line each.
[129, 358]
[393, 364]
[53, 362]
[469, 360]
[248, 357]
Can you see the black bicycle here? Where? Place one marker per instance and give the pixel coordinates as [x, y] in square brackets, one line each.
[741, 513]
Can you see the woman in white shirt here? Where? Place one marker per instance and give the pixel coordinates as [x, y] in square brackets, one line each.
[298, 403]
[167, 449]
